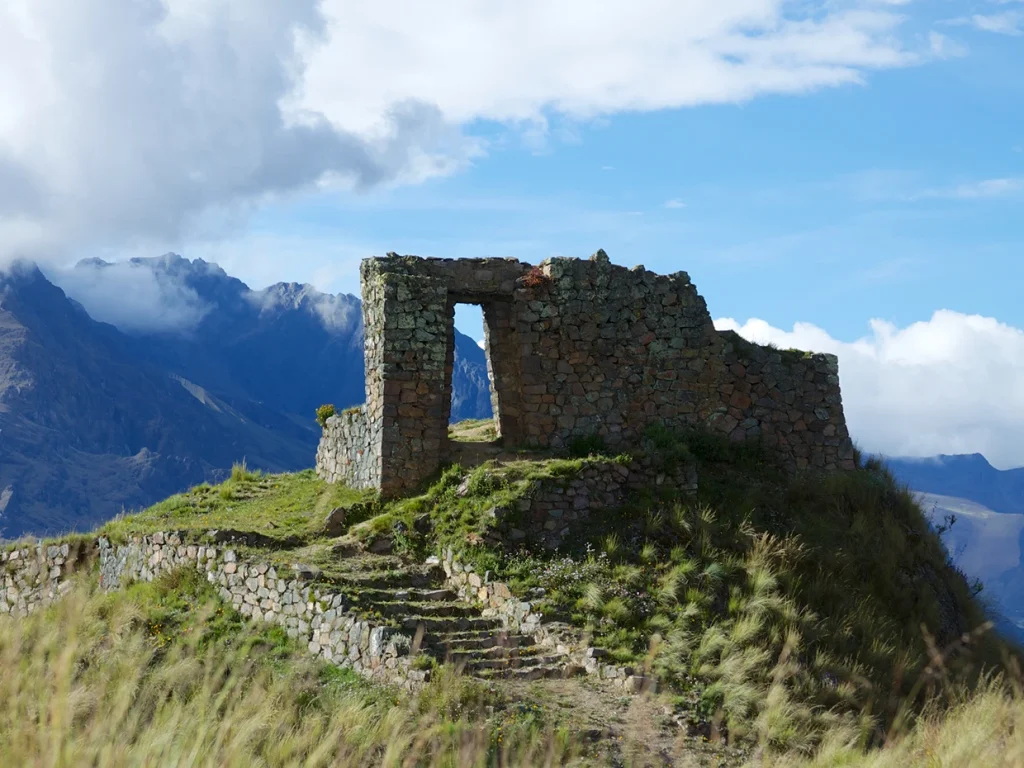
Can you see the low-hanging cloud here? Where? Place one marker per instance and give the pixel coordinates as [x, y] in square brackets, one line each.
[134, 297]
[129, 121]
[950, 384]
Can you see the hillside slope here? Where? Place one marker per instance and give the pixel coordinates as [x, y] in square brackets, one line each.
[782, 619]
[834, 585]
[95, 419]
[87, 427]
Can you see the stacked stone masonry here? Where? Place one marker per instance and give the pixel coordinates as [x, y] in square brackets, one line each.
[546, 514]
[321, 619]
[496, 599]
[34, 576]
[575, 348]
[345, 453]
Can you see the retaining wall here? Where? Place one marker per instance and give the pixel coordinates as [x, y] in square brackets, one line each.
[312, 613]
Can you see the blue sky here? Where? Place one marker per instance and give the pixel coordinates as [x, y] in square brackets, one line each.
[888, 199]
[838, 175]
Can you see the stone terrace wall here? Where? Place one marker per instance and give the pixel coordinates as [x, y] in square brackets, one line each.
[519, 616]
[35, 576]
[312, 613]
[576, 348]
[346, 452]
[545, 514]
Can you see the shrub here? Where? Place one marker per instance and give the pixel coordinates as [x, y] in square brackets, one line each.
[323, 413]
[586, 445]
[535, 278]
[240, 473]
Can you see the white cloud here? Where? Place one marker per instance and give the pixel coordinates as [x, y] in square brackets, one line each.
[987, 188]
[942, 47]
[674, 203]
[522, 61]
[481, 343]
[951, 384]
[1005, 23]
[131, 120]
[133, 297]
[1009, 23]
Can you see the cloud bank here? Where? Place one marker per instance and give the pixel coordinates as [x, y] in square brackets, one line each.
[950, 384]
[123, 121]
[133, 297]
[522, 61]
[130, 122]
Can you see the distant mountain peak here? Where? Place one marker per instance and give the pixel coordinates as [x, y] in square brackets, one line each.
[964, 475]
[20, 271]
[947, 459]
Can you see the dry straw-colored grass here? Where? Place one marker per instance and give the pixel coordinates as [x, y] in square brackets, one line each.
[99, 680]
[91, 681]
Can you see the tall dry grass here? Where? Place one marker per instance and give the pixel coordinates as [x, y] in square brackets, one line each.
[110, 680]
[96, 680]
[984, 729]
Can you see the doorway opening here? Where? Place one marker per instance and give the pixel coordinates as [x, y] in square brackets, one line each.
[482, 376]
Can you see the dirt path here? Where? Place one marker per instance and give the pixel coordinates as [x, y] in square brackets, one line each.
[626, 730]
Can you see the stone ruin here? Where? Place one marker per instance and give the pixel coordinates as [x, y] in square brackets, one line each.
[575, 348]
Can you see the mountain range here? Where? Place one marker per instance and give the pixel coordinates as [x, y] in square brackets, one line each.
[97, 417]
[981, 510]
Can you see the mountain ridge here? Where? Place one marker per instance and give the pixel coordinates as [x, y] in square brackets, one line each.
[94, 417]
[968, 476]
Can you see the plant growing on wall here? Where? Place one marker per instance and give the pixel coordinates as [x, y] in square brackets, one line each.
[323, 413]
[535, 278]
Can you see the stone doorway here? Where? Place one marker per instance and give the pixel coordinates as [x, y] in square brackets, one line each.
[472, 443]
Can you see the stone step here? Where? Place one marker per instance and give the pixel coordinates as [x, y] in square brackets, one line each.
[368, 562]
[398, 609]
[526, 673]
[484, 654]
[438, 625]
[513, 662]
[389, 580]
[475, 640]
[407, 594]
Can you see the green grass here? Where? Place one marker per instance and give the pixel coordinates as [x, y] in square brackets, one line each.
[282, 507]
[473, 431]
[797, 604]
[808, 615]
[164, 674]
[457, 510]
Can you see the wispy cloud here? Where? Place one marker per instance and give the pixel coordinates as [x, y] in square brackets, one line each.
[1005, 23]
[674, 203]
[943, 47]
[987, 188]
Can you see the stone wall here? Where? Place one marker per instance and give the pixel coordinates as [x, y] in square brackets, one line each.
[346, 454]
[546, 512]
[35, 576]
[497, 600]
[788, 399]
[577, 348]
[494, 597]
[312, 613]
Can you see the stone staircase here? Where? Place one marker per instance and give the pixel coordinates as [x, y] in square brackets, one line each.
[415, 599]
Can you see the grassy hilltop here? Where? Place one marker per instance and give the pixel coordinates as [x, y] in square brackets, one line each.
[809, 621]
